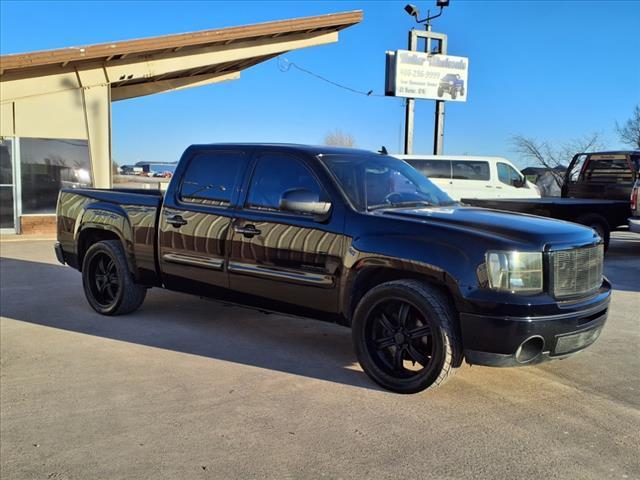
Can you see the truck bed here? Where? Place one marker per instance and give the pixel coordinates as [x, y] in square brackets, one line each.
[131, 215]
[615, 212]
[120, 195]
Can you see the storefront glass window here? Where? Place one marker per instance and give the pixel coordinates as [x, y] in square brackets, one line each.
[48, 165]
[6, 184]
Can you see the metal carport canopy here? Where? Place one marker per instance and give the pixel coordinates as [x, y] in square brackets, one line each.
[67, 93]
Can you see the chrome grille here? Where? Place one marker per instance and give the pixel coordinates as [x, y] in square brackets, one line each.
[576, 272]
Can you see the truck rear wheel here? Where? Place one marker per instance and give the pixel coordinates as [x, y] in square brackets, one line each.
[108, 284]
[404, 336]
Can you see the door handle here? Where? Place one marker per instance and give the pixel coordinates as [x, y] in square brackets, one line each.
[488, 186]
[247, 230]
[176, 220]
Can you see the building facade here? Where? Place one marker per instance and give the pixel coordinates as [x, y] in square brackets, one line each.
[55, 105]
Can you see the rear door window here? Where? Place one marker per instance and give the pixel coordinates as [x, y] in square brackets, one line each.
[212, 177]
[607, 169]
[470, 170]
[432, 168]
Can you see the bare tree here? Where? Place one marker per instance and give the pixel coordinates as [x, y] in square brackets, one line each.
[629, 133]
[337, 138]
[554, 157]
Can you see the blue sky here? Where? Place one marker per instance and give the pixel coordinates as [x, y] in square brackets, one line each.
[550, 70]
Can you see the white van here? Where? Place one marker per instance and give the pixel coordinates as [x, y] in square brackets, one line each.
[473, 177]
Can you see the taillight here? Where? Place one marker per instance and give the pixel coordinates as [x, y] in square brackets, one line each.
[634, 199]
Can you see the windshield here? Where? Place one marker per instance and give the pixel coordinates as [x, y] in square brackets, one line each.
[380, 181]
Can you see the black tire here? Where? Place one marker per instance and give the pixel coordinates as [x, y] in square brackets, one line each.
[385, 344]
[440, 91]
[462, 92]
[108, 284]
[454, 94]
[599, 224]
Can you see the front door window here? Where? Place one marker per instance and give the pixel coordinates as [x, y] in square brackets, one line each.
[509, 175]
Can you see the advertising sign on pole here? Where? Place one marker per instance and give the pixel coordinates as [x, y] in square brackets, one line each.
[429, 76]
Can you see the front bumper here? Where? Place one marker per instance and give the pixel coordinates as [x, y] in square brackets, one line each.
[505, 341]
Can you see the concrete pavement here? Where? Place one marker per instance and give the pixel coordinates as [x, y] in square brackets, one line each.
[190, 388]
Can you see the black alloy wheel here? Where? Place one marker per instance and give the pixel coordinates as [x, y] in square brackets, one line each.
[400, 338]
[405, 337]
[104, 283]
[108, 284]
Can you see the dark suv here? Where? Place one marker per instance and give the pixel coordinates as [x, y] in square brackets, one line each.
[348, 236]
[451, 84]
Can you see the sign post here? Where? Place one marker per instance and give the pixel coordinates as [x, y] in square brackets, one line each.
[430, 75]
[410, 104]
[438, 128]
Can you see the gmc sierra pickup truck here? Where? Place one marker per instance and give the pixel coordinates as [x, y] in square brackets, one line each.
[349, 236]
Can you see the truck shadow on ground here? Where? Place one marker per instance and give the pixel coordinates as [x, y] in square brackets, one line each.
[52, 295]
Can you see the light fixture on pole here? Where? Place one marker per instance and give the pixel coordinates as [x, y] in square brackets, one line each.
[414, 12]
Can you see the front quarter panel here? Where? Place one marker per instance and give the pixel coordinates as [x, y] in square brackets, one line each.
[439, 255]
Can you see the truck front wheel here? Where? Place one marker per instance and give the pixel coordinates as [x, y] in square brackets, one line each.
[599, 224]
[404, 336]
[108, 284]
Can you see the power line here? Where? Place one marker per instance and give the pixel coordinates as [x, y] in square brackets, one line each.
[284, 65]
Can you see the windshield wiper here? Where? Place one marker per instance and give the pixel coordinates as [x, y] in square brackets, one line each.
[412, 203]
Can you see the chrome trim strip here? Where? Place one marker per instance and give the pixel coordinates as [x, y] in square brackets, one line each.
[195, 261]
[316, 279]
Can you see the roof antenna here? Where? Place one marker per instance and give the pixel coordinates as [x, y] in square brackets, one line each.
[383, 150]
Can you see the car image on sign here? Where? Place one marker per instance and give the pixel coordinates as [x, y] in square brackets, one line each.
[451, 84]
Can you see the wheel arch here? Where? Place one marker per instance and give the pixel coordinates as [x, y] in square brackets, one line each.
[372, 275]
[103, 221]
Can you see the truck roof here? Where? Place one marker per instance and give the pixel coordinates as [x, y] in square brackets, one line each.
[612, 152]
[293, 147]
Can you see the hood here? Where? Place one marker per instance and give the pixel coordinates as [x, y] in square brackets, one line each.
[512, 227]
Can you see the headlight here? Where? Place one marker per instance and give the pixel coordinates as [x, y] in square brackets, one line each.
[519, 272]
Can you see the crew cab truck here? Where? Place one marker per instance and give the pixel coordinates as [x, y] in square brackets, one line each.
[349, 236]
[595, 192]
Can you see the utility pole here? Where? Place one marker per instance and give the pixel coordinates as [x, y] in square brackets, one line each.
[409, 105]
[438, 131]
[438, 128]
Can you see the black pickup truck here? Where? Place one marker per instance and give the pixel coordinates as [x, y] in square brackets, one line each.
[595, 192]
[349, 236]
